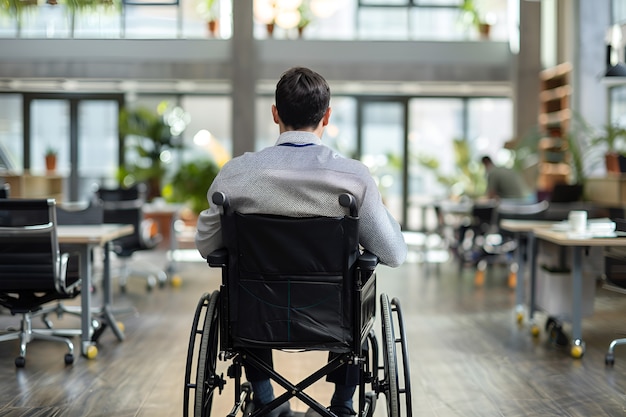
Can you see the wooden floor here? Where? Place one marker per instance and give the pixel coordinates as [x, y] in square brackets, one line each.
[468, 356]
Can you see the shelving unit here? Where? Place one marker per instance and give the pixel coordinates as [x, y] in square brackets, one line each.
[554, 119]
[35, 186]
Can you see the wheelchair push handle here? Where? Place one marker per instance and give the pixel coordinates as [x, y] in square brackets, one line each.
[348, 201]
[220, 199]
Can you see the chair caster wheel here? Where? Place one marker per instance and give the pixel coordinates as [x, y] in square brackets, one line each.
[534, 330]
[20, 361]
[91, 352]
[176, 281]
[577, 351]
[609, 359]
[69, 359]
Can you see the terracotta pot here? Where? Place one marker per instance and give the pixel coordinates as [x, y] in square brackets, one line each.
[51, 163]
[484, 29]
[213, 27]
[612, 163]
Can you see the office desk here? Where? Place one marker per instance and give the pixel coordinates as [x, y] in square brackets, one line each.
[542, 230]
[83, 238]
[577, 245]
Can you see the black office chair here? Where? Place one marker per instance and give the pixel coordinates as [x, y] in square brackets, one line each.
[5, 190]
[33, 271]
[125, 205]
[91, 213]
[294, 283]
[489, 244]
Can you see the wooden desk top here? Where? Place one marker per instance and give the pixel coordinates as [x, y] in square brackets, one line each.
[543, 230]
[97, 234]
[562, 238]
[525, 225]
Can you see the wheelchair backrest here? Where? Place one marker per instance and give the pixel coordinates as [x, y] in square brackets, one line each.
[290, 281]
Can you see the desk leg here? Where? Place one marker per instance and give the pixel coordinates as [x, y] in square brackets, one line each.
[532, 264]
[578, 346]
[519, 284]
[88, 349]
[107, 312]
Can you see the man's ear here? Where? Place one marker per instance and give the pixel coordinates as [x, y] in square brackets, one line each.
[275, 115]
[326, 117]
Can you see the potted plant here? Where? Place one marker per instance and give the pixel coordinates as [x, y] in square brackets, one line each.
[209, 11]
[191, 183]
[147, 135]
[306, 17]
[613, 139]
[15, 9]
[475, 18]
[51, 159]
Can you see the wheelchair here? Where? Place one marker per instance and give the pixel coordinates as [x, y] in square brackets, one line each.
[295, 284]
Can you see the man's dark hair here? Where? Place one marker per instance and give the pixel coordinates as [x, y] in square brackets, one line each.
[302, 97]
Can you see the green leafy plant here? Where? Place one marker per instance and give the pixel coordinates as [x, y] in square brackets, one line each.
[148, 135]
[612, 137]
[207, 10]
[50, 151]
[474, 17]
[14, 9]
[190, 184]
[469, 178]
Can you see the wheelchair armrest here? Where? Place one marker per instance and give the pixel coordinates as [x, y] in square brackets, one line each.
[218, 258]
[367, 261]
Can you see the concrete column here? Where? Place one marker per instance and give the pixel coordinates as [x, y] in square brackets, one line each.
[591, 20]
[244, 62]
[526, 70]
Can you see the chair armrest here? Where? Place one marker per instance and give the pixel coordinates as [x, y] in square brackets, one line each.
[367, 261]
[218, 258]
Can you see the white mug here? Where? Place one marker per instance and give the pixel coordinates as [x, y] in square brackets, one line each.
[577, 221]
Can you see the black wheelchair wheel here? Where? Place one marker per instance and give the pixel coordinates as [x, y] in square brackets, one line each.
[205, 355]
[390, 366]
[206, 377]
[395, 303]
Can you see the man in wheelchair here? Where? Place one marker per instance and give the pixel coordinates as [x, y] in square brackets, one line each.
[302, 177]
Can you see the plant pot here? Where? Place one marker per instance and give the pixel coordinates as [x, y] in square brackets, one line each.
[484, 29]
[51, 163]
[611, 161]
[213, 26]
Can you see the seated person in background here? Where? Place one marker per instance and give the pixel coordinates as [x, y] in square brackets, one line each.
[301, 177]
[505, 183]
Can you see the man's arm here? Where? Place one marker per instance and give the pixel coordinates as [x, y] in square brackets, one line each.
[379, 232]
[209, 232]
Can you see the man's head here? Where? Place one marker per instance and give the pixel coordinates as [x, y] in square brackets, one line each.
[302, 98]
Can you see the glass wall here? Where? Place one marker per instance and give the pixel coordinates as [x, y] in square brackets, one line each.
[11, 133]
[447, 137]
[440, 20]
